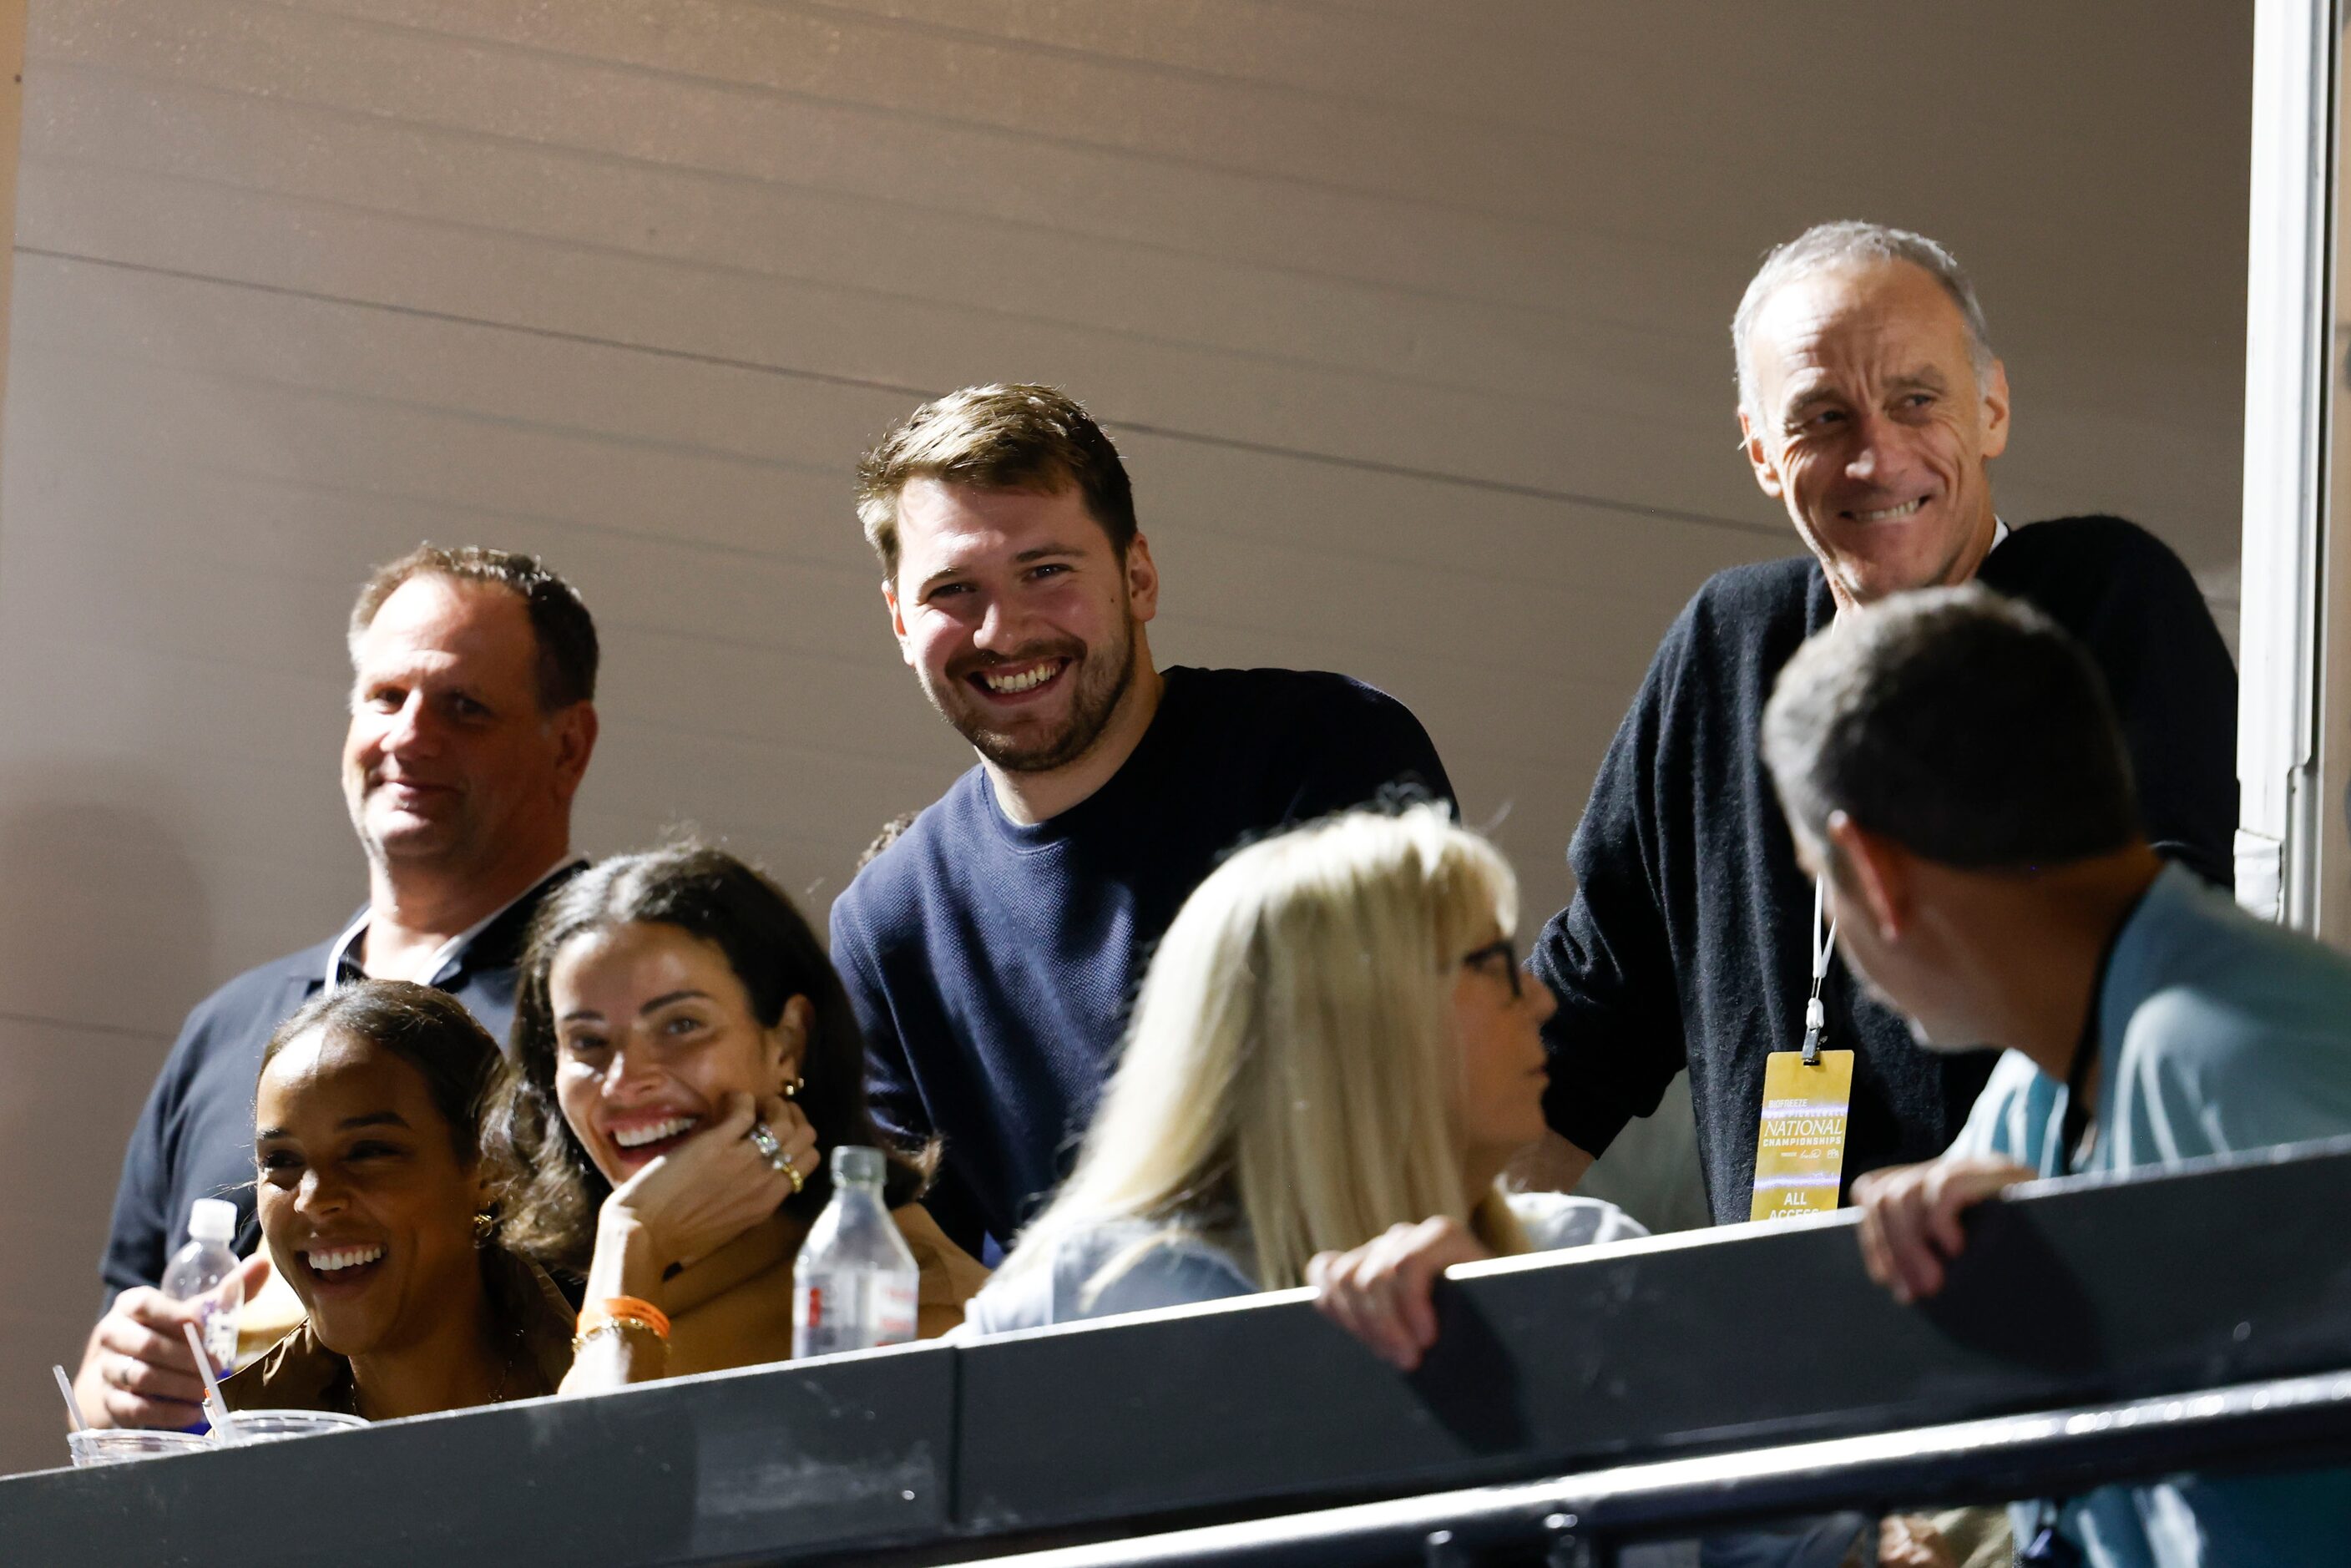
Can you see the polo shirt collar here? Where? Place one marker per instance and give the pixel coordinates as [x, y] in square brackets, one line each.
[345, 965]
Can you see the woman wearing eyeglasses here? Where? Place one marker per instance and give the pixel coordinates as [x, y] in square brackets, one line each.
[1334, 1047]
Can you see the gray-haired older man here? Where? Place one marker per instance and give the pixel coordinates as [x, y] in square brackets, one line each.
[1871, 404]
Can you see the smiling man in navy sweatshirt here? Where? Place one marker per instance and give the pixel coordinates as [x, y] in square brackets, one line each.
[993, 949]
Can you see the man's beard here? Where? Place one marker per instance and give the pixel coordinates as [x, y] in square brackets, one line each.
[1100, 679]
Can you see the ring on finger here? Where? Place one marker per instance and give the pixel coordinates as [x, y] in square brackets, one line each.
[763, 1138]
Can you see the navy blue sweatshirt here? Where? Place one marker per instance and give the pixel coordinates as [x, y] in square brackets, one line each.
[992, 964]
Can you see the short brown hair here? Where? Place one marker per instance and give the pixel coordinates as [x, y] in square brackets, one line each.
[560, 621]
[1005, 437]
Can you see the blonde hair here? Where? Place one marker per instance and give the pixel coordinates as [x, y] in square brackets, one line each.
[1291, 1069]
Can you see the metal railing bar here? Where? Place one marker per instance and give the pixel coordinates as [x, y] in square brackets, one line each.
[2297, 1422]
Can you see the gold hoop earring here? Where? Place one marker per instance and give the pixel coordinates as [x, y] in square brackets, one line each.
[486, 1226]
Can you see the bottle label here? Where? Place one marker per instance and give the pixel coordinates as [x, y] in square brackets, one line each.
[894, 1309]
[220, 1336]
[818, 1322]
[851, 1309]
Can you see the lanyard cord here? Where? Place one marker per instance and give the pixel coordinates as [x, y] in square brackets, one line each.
[2078, 1127]
[1816, 1017]
[2080, 1120]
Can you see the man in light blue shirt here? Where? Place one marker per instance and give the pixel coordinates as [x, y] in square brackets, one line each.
[1951, 768]
[2216, 1032]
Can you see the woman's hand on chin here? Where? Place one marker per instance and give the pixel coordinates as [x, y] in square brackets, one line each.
[1381, 1292]
[711, 1188]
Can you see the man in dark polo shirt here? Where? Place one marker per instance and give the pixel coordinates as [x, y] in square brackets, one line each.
[992, 950]
[1872, 404]
[473, 717]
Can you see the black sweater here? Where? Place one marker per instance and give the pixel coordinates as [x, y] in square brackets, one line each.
[1688, 944]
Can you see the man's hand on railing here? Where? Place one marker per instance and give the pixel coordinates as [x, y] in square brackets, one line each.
[1911, 1541]
[1910, 1217]
[1380, 1291]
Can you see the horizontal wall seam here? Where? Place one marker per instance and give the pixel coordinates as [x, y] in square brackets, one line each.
[84, 1026]
[636, 164]
[738, 87]
[863, 383]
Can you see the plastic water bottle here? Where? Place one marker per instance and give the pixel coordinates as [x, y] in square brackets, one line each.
[854, 1285]
[205, 1271]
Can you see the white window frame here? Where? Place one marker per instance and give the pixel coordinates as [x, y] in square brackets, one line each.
[2284, 820]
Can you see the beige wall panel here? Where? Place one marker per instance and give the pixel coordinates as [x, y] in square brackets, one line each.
[959, 77]
[104, 1076]
[150, 221]
[1409, 318]
[1055, 182]
[2139, 236]
[1144, 294]
[1412, 57]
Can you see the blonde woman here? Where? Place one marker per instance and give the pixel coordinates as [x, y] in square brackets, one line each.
[1334, 1040]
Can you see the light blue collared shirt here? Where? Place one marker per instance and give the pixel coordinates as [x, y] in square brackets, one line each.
[2217, 1033]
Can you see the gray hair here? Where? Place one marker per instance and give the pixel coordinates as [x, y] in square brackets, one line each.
[1825, 245]
[1966, 727]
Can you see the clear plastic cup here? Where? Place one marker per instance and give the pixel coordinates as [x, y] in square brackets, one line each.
[276, 1426]
[99, 1446]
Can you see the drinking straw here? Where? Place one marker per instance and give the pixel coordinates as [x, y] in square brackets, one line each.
[73, 1405]
[216, 1407]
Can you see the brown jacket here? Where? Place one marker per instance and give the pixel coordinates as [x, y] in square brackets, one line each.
[734, 1308]
[300, 1374]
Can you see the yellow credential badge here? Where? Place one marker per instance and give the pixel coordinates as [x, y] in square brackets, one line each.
[1799, 1150]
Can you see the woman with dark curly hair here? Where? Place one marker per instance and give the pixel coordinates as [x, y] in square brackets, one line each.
[684, 1061]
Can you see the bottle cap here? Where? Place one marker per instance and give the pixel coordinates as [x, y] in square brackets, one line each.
[213, 1220]
[857, 1165]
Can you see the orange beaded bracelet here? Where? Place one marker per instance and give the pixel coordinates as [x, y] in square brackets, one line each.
[621, 1312]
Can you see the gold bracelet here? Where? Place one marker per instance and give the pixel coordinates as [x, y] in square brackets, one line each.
[625, 1309]
[615, 1313]
[603, 1325]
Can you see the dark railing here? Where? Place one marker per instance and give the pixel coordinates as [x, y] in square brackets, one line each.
[1677, 1385]
[2286, 1423]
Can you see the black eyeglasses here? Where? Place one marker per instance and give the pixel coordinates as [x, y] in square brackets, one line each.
[1508, 952]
